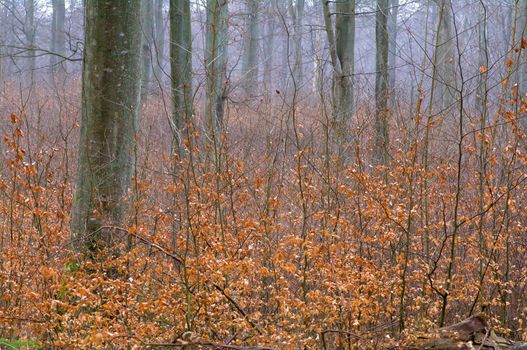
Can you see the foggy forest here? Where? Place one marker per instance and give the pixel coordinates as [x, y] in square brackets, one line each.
[263, 174]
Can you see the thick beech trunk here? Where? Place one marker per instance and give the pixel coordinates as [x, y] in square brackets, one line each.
[110, 112]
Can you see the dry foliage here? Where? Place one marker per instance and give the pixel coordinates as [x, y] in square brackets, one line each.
[273, 242]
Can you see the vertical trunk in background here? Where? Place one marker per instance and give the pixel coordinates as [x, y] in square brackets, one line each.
[381, 83]
[251, 47]
[392, 52]
[269, 43]
[3, 39]
[481, 107]
[318, 64]
[522, 64]
[147, 29]
[215, 64]
[345, 46]
[181, 67]
[111, 85]
[341, 41]
[298, 69]
[58, 35]
[283, 8]
[29, 32]
[445, 82]
[159, 39]
[483, 57]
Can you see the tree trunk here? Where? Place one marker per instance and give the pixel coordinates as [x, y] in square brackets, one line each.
[445, 81]
[29, 32]
[381, 83]
[269, 44]
[345, 46]
[58, 35]
[216, 64]
[285, 72]
[181, 67]
[522, 64]
[3, 40]
[298, 28]
[147, 29]
[159, 39]
[110, 113]
[251, 48]
[392, 53]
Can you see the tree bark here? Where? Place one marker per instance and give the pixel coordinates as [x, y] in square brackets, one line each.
[251, 48]
[111, 86]
[298, 69]
[269, 43]
[29, 32]
[392, 53]
[181, 67]
[147, 28]
[216, 64]
[58, 35]
[345, 46]
[445, 82]
[159, 39]
[381, 83]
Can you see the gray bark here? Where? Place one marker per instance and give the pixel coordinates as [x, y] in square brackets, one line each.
[251, 47]
[345, 46]
[381, 83]
[269, 43]
[445, 82]
[159, 39]
[216, 64]
[29, 33]
[181, 66]
[110, 111]
[147, 28]
[341, 43]
[298, 18]
[392, 53]
[3, 39]
[483, 57]
[522, 81]
[285, 75]
[58, 35]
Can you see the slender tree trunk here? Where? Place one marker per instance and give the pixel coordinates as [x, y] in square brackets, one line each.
[159, 39]
[298, 28]
[345, 46]
[110, 113]
[318, 63]
[481, 107]
[58, 35]
[392, 52]
[381, 83]
[181, 67]
[286, 43]
[522, 60]
[445, 81]
[147, 28]
[269, 43]
[29, 32]
[3, 40]
[251, 48]
[216, 64]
